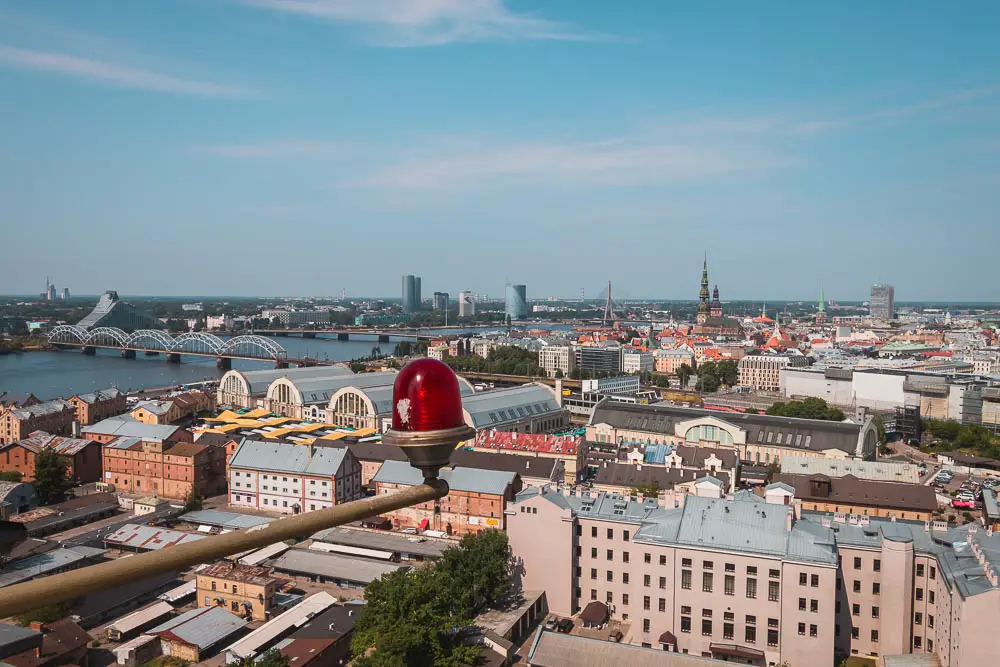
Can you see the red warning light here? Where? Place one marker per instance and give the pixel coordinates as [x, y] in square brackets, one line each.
[426, 397]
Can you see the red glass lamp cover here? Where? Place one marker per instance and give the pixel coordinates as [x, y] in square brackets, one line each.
[426, 397]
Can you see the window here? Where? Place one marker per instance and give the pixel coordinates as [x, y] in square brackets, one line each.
[727, 630]
[930, 620]
[707, 613]
[752, 588]
[855, 610]
[645, 603]
[645, 625]
[685, 562]
[878, 565]
[920, 569]
[930, 597]
[236, 605]
[610, 576]
[772, 637]
[625, 535]
[930, 645]
[802, 628]
[707, 564]
[611, 554]
[751, 620]
[814, 606]
[875, 636]
[593, 593]
[874, 612]
[593, 573]
[624, 599]
[663, 560]
[933, 576]
[774, 574]
[803, 577]
[876, 588]
[773, 590]
[593, 552]
[730, 567]
[751, 571]
[920, 594]
[706, 582]
[624, 556]
[802, 604]
[647, 558]
[814, 581]
[685, 624]
[857, 586]
[213, 585]
[706, 627]
[663, 582]
[751, 635]
[610, 598]
[857, 562]
[593, 531]
[730, 585]
[813, 630]
[686, 579]
[916, 642]
[662, 604]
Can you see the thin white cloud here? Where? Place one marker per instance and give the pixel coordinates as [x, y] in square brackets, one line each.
[620, 162]
[114, 74]
[287, 148]
[406, 23]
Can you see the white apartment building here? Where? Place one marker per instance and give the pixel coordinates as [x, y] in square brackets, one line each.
[552, 358]
[438, 351]
[763, 372]
[291, 479]
[634, 361]
[466, 304]
[288, 317]
[219, 322]
[623, 384]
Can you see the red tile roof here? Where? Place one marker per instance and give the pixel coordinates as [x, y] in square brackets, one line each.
[548, 444]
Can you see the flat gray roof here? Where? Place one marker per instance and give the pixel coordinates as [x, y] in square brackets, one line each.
[333, 566]
[475, 480]
[287, 458]
[386, 541]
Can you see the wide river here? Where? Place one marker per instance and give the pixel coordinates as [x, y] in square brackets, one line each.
[55, 374]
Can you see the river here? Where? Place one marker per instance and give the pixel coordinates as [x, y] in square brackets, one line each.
[54, 374]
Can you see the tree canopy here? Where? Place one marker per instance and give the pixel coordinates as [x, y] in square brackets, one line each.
[193, 501]
[809, 408]
[11, 476]
[50, 475]
[422, 617]
[506, 360]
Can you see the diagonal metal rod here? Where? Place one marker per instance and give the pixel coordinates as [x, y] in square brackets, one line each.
[75, 584]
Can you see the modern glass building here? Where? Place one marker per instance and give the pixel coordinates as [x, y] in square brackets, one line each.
[111, 311]
[883, 302]
[517, 302]
[411, 293]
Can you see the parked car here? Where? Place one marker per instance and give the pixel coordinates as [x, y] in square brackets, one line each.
[963, 504]
[551, 623]
[615, 636]
[564, 625]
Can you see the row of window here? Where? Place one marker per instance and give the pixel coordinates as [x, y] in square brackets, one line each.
[274, 478]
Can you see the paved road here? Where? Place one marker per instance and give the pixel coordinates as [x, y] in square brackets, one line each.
[92, 536]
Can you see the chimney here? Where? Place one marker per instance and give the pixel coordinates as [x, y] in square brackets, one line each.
[36, 626]
[76, 428]
[789, 520]
[559, 392]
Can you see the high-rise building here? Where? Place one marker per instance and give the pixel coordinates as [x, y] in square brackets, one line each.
[883, 302]
[411, 293]
[65, 294]
[50, 290]
[441, 301]
[466, 304]
[517, 302]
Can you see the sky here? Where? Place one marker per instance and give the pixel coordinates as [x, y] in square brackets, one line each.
[304, 147]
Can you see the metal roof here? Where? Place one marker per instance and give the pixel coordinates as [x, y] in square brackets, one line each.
[501, 406]
[230, 520]
[181, 592]
[319, 389]
[39, 440]
[259, 381]
[334, 566]
[46, 563]
[990, 508]
[152, 613]
[99, 395]
[40, 409]
[876, 471]
[203, 627]
[289, 458]
[555, 649]
[474, 480]
[295, 617]
[25, 490]
[148, 538]
[383, 540]
[132, 429]
[261, 555]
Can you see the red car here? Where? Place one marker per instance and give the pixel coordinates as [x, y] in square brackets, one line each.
[963, 504]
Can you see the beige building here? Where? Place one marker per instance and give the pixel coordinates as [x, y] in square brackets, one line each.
[763, 371]
[669, 361]
[759, 580]
[759, 439]
[553, 358]
[244, 590]
[55, 417]
[95, 406]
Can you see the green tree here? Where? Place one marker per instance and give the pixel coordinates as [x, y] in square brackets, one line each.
[684, 373]
[48, 614]
[649, 489]
[11, 476]
[270, 658]
[728, 372]
[193, 501]
[809, 408]
[50, 475]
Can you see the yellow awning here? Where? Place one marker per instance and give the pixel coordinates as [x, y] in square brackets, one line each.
[226, 416]
[256, 413]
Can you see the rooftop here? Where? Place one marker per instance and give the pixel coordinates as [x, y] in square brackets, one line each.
[39, 440]
[99, 395]
[203, 627]
[525, 466]
[47, 563]
[229, 520]
[148, 538]
[877, 471]
[548, 444]
[384, 541]
[555, 649]
[230, 571]
[333, 566]
[118, 426]
[41, 409]
[502, 406]
[60, 640]
[285, 457]
[630, 476]
[851, 490]
[475, 480]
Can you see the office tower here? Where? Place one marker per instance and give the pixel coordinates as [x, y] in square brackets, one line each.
[65, 294]
[883, 302]
[517, 302]
[466, 304]
[411, 293]
[441, 301]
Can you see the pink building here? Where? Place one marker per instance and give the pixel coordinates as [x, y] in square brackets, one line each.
[752, 580]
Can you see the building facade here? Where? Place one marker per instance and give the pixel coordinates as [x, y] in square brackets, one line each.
[95, 406]
[466, 304]
[440, 302]
[669, 361]
[163, 468]
[634, 361]
[516, 302]
[599, 361]
[475, 502]
[291, 479]
[82, 457]
[557, 360]
[244, 590]
[882, 305]
[411, 293]
[762, 372]
[51, 416]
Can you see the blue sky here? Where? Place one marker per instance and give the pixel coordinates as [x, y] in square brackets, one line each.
[277, 147]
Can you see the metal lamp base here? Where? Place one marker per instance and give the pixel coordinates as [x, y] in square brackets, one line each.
[429, 450]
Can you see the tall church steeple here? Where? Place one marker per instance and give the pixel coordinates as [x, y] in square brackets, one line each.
[822, 301]
[703, 295]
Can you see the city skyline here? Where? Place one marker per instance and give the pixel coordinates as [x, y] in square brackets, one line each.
[801, 146]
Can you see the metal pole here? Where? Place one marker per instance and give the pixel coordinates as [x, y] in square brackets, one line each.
[75, 584]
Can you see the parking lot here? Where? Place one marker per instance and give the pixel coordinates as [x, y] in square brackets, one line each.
[959, 488]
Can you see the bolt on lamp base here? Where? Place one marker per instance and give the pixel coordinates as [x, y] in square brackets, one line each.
[429, 450]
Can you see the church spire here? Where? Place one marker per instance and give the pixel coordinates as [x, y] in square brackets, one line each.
[822, 300]
[703, 295]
